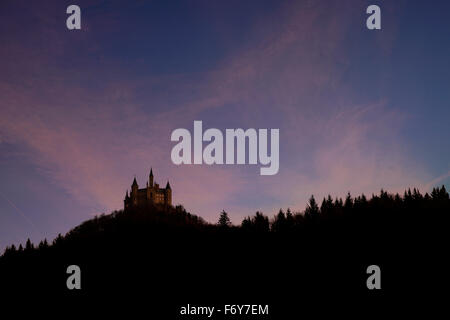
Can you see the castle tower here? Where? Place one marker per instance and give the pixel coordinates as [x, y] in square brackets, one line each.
[151, 178]
[134, 191]
[150, 188]
[126, 200]
[168, 194]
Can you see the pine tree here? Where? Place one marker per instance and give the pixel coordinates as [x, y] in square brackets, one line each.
[224, 220]
[312, 210]
[29, 246]
[261, 222]
[279, 222]
[289, 218]
[349, 201]
[246, 223]
[43, 244]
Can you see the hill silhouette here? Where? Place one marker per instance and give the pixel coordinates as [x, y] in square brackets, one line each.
[173, 255]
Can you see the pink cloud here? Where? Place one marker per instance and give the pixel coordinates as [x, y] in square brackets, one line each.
[92, 141]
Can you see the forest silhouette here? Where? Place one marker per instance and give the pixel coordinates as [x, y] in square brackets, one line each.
[169, 252]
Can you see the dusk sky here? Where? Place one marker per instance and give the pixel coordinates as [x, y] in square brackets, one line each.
[84, 111]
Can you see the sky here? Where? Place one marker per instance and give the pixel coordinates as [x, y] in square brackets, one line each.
[84, 111]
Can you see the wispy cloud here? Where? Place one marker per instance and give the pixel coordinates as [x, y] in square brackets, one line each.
[91, 130]
[436, 181]
[20, 212]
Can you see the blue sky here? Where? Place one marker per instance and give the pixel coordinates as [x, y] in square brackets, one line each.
[82, 112]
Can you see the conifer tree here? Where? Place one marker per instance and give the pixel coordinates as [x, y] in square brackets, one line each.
[224, 220]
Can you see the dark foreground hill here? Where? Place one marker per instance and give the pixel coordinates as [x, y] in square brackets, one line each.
[170, 258]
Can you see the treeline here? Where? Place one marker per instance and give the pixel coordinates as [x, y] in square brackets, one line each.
[382, 213]
[131, 223]
[383, 208]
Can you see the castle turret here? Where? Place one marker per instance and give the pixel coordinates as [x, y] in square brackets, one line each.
[134, 191]
[168, 194]
[151, 178]
[134, 186]
[126, 201]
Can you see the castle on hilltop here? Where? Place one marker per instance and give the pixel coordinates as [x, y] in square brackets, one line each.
[148, 196]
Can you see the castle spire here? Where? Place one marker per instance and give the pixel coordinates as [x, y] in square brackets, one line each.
[168, 185]
[151, 178]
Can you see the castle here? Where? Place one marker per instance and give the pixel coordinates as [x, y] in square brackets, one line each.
[148, 196]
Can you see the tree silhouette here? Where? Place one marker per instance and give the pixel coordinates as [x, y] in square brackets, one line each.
[312, 210]
[224, 220]
[29, 246]
[171, 236]
[279, 223]
[260, 222]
